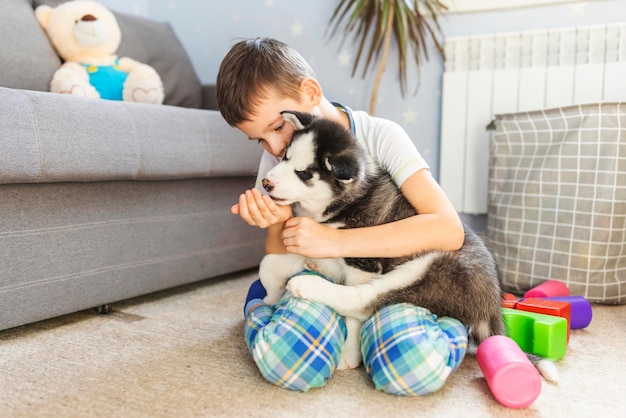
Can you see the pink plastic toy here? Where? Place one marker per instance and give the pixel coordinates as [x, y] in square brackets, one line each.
[512, 378]
[548, 288]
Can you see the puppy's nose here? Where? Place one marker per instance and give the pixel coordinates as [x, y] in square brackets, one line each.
[88, 18]
[267, 185]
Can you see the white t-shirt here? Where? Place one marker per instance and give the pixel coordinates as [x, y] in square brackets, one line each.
[385, 140]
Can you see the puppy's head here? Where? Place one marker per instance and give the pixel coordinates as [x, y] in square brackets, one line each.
[321, 166]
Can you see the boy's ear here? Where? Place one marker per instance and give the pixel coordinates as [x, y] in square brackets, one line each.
[311, 90]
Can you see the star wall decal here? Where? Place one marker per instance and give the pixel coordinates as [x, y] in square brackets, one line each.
[409, 115]
[296, 29]
[344, 59]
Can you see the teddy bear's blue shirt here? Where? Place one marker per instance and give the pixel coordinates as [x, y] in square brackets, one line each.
[107, 80]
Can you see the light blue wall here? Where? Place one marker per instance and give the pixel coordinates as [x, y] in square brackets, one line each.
[207, 29]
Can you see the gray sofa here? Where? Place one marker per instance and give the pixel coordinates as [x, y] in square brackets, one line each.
[102, 201]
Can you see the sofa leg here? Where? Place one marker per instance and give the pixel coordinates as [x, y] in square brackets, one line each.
[103, 309]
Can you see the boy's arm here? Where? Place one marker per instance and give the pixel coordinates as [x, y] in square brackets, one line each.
[437, 220]
[274, 241]
[437, 227]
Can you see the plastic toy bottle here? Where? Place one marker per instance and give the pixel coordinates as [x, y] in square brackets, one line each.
[512, 378]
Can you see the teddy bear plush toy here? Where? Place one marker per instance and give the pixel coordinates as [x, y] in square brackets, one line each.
[86, 36]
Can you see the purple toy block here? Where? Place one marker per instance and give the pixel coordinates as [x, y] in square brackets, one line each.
[581, 312]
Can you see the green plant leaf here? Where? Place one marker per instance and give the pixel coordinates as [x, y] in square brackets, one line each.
[366, 20]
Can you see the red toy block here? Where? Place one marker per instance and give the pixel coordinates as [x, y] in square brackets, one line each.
[508, 301]
[511, 304]
[548, 307]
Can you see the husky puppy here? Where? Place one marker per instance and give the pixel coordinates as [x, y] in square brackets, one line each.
[327, 175]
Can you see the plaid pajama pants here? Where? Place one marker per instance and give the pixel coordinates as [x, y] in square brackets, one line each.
[297, 344]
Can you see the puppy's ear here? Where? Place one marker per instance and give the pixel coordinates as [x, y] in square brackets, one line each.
[299, 120]
[342, 168]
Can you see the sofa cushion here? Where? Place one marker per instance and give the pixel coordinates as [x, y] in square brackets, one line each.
[156, 44]
[56, 138]
[28, 59]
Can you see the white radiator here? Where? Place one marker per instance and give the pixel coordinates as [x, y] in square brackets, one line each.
[511, 72]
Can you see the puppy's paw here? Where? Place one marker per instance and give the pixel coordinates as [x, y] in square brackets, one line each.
[272, 297]
[350, 358]
[306, 286]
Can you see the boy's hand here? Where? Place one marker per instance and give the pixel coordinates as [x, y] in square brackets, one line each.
[306, 237]
[260, 210]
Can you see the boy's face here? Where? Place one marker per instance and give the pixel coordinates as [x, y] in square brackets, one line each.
[268, 127]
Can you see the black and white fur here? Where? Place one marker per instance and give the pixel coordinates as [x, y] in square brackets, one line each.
[327, 175]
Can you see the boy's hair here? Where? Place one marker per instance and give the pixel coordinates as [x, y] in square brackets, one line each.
[251, 69]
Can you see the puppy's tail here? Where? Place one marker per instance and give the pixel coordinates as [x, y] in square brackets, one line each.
[546, 367]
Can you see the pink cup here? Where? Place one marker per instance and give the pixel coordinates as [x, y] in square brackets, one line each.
[512, 378]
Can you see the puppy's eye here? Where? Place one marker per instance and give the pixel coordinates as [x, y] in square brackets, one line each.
[304, 175]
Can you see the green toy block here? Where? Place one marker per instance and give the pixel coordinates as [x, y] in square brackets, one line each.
[543, 335]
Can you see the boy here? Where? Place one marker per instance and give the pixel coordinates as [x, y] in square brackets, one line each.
[258, 79]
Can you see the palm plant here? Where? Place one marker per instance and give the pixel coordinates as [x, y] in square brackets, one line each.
[409, 22]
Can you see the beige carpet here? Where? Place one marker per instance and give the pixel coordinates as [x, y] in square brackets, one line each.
[181, 353]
